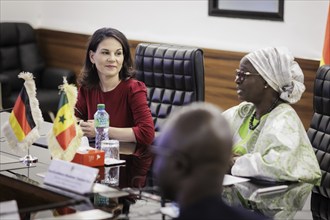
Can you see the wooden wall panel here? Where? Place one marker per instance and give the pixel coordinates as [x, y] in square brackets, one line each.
[64, 49]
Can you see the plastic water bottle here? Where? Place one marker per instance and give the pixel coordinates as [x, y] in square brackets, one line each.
[101, 124]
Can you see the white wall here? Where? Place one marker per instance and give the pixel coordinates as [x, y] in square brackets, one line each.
[180, 22]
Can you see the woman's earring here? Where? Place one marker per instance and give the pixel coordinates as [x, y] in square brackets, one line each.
[266, 86]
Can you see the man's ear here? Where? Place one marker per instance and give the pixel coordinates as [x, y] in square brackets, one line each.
[183, 164]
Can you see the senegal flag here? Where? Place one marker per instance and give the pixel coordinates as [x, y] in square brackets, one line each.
[21, 130]
[64, 139]
[64, 126]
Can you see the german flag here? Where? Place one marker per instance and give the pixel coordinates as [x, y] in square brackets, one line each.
[64, 126]
[22, 128]
[65, 137]
[325, 60]
[21, 119]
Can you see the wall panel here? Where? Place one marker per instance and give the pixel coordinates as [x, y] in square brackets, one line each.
[64, 49]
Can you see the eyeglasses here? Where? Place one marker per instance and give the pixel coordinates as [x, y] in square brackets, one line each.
[241, 75]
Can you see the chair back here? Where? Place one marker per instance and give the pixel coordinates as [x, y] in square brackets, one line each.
[19, 52]
[319, 130]
[173, 74]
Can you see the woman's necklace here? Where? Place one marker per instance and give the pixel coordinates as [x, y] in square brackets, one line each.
[251, 126]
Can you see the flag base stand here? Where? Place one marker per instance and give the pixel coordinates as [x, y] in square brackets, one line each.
[28, 160]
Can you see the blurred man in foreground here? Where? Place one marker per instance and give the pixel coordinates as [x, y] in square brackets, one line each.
[192, 156]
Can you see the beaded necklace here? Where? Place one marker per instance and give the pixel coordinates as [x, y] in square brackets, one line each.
[251, 126]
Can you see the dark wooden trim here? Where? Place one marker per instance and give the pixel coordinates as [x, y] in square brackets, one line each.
[63, 49]
[27, 195]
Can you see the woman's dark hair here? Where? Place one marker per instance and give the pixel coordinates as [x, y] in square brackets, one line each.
[89, 77]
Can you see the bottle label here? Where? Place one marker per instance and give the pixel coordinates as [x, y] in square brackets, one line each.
[101, 122]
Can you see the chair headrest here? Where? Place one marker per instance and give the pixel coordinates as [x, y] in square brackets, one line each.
[13, 34]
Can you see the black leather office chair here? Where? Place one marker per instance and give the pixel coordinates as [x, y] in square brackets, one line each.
[173, 74]
[319, 135]
[319, 130]
[320, 205]
[19, 52]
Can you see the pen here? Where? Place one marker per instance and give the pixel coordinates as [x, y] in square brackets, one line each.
[272, 189]
[78, 111]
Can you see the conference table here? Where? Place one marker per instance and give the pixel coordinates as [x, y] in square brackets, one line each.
[36, 200]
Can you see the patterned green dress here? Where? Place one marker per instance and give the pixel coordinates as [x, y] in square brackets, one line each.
[278, 149]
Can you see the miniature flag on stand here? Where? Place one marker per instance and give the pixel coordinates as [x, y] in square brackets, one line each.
[22, 128]
[65, 137]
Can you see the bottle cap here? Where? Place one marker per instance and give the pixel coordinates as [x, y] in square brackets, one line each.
[100, 106]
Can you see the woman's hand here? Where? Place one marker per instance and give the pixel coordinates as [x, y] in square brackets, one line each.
[88, 128]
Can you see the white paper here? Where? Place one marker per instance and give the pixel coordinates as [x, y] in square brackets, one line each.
[112, 161]
[100, 188]
[90, 214]
[171, 210]
[4, 159]
[9, 210]
[71, 176]
[42, 175]
[231, 180]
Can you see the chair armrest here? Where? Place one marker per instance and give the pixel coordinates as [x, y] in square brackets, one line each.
[53, 77]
